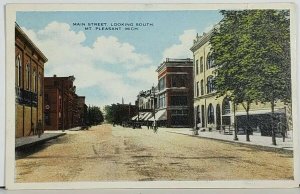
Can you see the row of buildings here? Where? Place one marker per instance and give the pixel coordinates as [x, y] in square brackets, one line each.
[42, 103]
[186, 97]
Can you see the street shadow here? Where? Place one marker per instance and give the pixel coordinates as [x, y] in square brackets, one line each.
[27, 151]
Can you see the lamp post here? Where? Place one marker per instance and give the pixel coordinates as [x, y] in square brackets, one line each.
[138, 118]
[234, 123]
[153, 92]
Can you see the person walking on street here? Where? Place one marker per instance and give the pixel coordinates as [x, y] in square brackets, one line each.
[154, 126]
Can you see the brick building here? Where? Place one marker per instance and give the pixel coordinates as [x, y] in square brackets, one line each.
[29, 75]
[61, 103]
[175, 93]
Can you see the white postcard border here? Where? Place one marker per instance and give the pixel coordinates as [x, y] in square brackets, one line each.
[11, 10]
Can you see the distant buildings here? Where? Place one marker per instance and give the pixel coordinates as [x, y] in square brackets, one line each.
[121, 113]
[147, 105]
[29, 85]
[64, 109]
[175, 93]
[216, 113]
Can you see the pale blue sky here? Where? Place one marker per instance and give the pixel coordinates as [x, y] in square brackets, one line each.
[151, 43]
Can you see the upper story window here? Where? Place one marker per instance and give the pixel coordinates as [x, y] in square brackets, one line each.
[28, 77]
[210, 84]
[197, 67]
[18, 71]
[201, 64]
[178, 101]
[202, 87]
[197, 89]
[40, 84]
[162, 101]
[210, 61]
[162, 83]
[34, 80]
[178, 80]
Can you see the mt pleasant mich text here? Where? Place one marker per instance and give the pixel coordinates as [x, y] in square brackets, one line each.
[112, 26]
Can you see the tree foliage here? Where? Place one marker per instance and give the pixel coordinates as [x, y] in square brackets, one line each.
[117, 113]
[95, 115]
[251, 49]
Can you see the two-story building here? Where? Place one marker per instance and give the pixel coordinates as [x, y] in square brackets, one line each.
[29, 85]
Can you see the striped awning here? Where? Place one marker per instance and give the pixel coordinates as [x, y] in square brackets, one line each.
[134, 118]
[160, 116]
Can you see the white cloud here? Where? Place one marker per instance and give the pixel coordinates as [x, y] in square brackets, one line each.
[111, 50]
[181, 50]
[93, 66]
[147, 75]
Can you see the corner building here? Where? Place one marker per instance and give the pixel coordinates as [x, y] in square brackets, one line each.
[29, 85]
[216, 113]
[175, 93]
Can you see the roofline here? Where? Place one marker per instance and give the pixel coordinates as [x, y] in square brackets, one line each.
[169, 60]
[204, 39]
[18, 29]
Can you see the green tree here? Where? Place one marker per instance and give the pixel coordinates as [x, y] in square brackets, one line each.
[95, 115]
[251, 50]
[117, 113]
[229, 52]
[270, 38]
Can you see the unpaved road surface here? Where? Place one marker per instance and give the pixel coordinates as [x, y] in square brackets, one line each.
[106, 153]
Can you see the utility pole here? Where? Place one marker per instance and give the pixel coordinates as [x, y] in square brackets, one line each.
[234, 122]
[138, 118]
[153, 91]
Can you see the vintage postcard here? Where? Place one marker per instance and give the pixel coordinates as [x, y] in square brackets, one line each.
[151, 96]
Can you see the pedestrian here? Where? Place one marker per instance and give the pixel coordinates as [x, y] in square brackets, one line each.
[148, 125]
[154, 126]
[39, 128]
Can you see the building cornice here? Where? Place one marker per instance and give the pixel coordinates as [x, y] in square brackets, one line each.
[27, 39]
[205, 96]
[175, 63]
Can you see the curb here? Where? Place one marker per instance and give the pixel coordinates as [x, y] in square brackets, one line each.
[41, 141]
[265, 148]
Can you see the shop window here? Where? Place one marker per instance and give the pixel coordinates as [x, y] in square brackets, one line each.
[210, 114]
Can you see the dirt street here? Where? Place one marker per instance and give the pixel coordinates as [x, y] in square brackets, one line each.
[106, 153]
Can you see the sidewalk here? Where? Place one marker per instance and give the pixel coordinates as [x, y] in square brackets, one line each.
[256, 140]
[23, 142]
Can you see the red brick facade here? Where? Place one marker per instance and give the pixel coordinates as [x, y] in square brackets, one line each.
[61, 103]
[29, 76]
[176, 92]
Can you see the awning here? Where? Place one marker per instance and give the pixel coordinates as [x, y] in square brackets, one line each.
[149, 115]
[145, 116]
[259, 112]
[134, 118]
[141, 116]
[159, 116]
